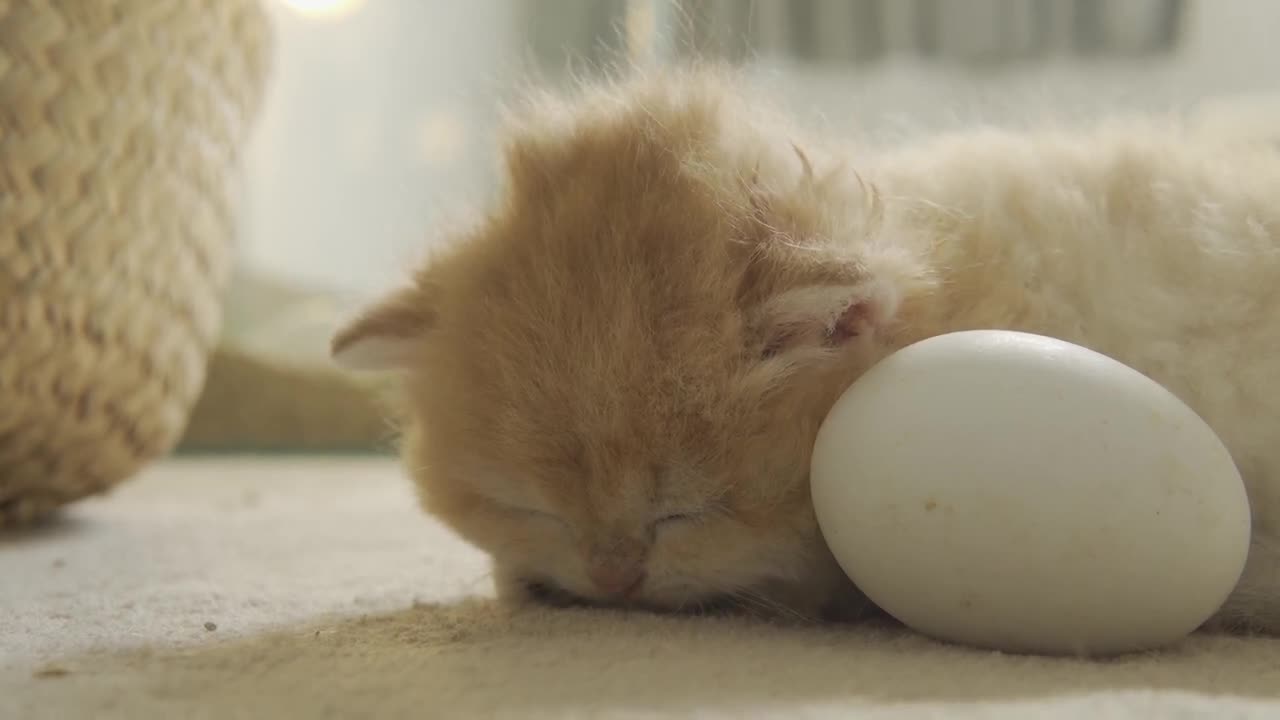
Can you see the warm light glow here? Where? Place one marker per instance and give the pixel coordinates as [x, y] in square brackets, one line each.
[324, 9]
[442, 138]
[641, 24]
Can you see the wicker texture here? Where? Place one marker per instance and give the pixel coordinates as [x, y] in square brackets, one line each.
[121, 125]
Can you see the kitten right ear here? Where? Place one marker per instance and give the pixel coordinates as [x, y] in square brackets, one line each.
[386, 335]
[824, 315]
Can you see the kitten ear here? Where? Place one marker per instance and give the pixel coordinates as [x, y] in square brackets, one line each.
[386, 335]
[824, 316]
[821, 278]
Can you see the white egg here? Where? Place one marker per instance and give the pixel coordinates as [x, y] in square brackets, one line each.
[1025, 494]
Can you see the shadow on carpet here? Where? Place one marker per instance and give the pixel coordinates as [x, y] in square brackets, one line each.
[479, 659]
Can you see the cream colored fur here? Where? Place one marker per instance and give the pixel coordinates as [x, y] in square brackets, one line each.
[1155, 242]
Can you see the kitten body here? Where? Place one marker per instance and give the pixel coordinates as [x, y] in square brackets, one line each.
[613, 381]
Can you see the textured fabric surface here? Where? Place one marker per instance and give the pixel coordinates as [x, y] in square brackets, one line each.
[121, 127]
[314, 588]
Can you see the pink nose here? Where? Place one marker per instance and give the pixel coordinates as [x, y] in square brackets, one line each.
[619, 580]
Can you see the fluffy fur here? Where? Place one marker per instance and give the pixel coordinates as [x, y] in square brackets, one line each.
[614, 380]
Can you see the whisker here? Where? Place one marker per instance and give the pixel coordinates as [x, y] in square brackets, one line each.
[733, 597]
[770, 605]
[755, 607]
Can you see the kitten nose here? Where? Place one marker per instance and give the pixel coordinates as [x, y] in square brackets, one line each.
[617, 579]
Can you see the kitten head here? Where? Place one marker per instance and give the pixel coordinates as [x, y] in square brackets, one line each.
[614, 381]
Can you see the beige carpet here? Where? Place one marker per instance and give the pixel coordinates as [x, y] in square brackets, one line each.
[307, 589]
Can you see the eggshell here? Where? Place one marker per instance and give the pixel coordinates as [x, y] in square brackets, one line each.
[1025, 494]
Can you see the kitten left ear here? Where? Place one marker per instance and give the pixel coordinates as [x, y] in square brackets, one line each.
[386, 335]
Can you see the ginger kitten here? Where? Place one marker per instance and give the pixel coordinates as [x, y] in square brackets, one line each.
[612, 383]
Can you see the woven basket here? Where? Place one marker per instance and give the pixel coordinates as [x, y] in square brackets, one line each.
[121, 124]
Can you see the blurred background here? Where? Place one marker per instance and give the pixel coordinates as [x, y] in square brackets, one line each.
[379, 125]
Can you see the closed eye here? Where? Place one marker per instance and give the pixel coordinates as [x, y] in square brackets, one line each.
[528, 511]
[699, 513]
[678, 517]
[544, 516]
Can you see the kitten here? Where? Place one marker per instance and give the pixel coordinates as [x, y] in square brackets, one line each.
[613, 382]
